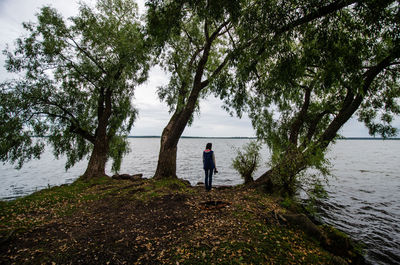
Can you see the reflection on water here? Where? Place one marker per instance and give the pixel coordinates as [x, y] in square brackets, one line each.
[363, 198]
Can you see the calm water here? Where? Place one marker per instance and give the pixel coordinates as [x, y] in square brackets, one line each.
[364, 195]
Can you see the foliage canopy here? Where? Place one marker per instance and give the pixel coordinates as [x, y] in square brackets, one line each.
[75, 85]
[312, 79]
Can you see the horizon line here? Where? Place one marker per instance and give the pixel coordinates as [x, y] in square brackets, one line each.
[253, 137]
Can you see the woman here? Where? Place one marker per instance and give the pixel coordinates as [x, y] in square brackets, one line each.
[209, 165]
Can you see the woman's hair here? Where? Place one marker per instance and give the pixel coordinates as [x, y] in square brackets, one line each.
[208, 146]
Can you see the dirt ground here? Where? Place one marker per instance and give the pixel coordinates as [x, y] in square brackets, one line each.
[164, 229]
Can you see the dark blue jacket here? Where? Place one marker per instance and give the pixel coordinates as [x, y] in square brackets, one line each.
[208, 159]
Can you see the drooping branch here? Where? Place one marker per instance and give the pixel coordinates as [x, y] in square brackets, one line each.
[63, 109]
[84, 133]
[74, 127]
[39, 113]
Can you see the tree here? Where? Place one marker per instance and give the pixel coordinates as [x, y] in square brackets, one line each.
[77, 80]
[247, 161]
[320, 75]
[195, 39]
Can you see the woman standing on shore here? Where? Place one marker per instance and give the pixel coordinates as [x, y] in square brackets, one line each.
[209, 165]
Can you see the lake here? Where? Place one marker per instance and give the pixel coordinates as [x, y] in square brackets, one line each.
[363, 198]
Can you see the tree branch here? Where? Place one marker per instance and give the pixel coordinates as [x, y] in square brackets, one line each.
[79, 72]
[232, 40]
[299, 121]
[351, 105]
[216, 33]
[321, 12]
[74, 127]
[313, 127]
[196, 53]
[67, 112]
[187, 35]
[216, 71]
[88, 55]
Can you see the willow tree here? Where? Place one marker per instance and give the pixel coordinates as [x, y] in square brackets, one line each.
[74, 88]
[195, 39]
[319, 76]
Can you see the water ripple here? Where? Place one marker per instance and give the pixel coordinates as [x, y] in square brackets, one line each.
[363, 197]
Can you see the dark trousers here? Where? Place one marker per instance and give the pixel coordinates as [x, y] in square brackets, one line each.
[208, 179]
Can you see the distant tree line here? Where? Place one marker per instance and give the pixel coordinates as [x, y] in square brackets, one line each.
[299, 69]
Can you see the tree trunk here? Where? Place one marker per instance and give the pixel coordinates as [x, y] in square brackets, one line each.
[284, 174]
[98, 159]
[166, 165]
[264, 182]
[248, 179]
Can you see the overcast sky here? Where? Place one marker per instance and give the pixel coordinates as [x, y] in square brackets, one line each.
[153, 114]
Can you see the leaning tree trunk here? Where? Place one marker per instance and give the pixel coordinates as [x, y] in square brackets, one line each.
[98, 159]
[166, 165]
[282, 177]
[295, 162]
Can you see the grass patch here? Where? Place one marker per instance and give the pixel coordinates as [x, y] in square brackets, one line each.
[151, 189]
[264, 245]
[242, 234]
[151, 222]
[42, 206]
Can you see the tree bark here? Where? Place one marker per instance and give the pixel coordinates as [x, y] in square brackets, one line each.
[99, 156]
[248, 179]
[98, 159]
[166, 165]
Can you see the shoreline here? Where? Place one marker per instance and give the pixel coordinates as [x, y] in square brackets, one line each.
[147, 221]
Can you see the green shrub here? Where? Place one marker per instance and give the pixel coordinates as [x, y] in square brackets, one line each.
[247, 160]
